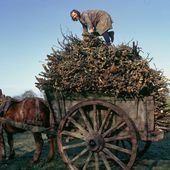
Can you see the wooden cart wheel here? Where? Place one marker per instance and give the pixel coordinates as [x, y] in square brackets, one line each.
[89, 137]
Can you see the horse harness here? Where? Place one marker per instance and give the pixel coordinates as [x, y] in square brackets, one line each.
[6, 105]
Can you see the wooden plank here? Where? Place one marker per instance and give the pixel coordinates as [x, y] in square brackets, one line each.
[140, 111]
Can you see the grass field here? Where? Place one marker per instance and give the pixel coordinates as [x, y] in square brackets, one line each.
[157, 157]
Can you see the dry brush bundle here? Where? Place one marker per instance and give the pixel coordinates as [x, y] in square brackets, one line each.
[89, 66]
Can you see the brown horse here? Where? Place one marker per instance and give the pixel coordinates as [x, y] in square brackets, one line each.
[30, 111]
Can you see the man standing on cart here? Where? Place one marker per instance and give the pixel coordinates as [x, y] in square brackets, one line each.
[95, 22]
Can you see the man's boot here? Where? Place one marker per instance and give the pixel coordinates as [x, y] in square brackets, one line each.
[111, 35]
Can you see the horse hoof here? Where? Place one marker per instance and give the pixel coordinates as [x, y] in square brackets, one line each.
[48, 160]
[2, 158]
[11, 156]
[33, 161]
[50, 157]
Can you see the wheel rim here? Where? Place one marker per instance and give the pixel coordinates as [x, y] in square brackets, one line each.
[90, 134]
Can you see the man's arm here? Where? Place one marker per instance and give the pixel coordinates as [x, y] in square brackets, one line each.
[89, 25]
[85, 29]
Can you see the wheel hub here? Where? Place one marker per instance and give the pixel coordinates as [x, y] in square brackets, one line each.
[95, 142]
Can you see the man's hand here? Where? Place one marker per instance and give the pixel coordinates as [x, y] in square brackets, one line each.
[91, 31]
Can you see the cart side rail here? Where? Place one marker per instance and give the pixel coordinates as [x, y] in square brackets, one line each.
[141, 111]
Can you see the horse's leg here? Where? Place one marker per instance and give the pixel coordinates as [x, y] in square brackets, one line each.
[51, 149]
[38, 147]
[2, 144]
[11, 145]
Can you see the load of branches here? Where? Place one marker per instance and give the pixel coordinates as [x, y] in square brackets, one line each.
[90, 67]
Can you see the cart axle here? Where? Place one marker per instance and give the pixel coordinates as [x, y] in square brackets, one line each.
[95, 142]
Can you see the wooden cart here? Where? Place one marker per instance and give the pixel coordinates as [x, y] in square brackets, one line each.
[102, 133]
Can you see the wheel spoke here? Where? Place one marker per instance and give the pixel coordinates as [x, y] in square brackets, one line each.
[74, 145]
[78, 125]
[87, 161]
[95, 118]
[79, 155]
[118, 126]
[114, 138]
[73, 134]
[118, 148]
[106, 163]
[104, 121]
[96, 161]
[117, 160]
[86, 121]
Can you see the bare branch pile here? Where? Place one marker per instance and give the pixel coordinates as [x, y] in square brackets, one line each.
[88, 66]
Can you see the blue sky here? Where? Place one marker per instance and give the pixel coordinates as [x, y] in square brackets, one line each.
[30, 28]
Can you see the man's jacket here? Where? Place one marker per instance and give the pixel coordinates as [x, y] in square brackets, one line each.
[98, 20]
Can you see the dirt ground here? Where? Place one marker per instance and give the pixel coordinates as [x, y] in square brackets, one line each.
[156, 158]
